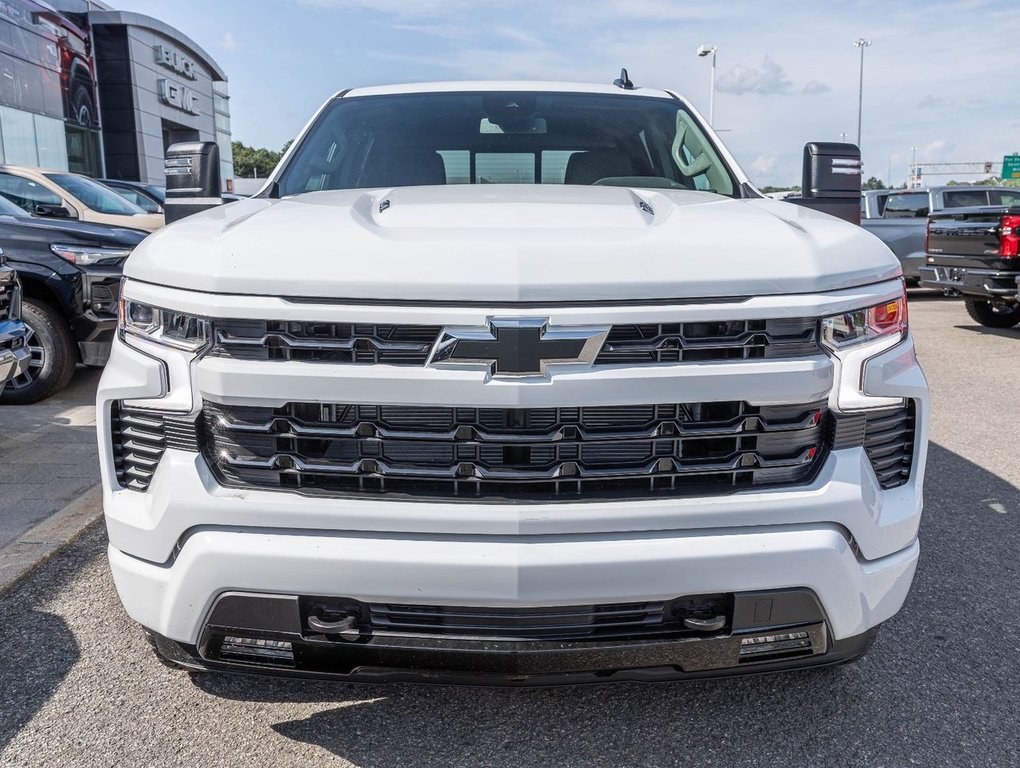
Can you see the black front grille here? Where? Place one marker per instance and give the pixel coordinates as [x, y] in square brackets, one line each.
[551, 623]
[140, 436]
[707, 341]
[411, 344]
[7, 290]
[497, 453]
[324, 342]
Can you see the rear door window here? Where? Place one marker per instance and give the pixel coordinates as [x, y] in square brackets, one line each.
[964, 198]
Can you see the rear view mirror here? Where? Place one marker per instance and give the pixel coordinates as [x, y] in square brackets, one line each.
[192, 179]
[831, 180]
[52, 210]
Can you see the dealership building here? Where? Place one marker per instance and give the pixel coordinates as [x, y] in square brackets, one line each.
[90, 89]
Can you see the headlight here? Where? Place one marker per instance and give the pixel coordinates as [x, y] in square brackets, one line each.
[863, 325]
[162, 326]
[87, 255]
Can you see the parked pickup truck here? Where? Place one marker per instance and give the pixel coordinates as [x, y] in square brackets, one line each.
[976, 252]
[899, 217]
[511, 382]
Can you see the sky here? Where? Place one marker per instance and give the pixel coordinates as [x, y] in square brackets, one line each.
[940, 75]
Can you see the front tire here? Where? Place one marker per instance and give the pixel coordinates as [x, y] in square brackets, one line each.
[53, 357]
[993, 315]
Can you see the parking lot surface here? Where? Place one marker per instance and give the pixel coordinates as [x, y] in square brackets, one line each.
[78, 685]
[47, 454]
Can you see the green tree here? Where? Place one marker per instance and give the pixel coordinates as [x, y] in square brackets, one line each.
[252, 162]
[873, 183]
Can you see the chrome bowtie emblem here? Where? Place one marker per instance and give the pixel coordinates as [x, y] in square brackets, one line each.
[517, 347]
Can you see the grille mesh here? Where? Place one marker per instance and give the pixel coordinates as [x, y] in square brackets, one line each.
[325, 342]
[706, 341]
[410, 344]
[496, 453]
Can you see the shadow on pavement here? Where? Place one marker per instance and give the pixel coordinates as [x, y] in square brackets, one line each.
[939, 686]
[37, 649]
[1006, 333]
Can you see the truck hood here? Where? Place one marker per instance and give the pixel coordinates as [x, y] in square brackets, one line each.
[511, 243]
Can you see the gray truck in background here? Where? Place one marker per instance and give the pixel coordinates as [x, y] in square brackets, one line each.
[899, 218]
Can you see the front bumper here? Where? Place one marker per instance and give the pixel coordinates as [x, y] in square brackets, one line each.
[14, 355]
[175, 599]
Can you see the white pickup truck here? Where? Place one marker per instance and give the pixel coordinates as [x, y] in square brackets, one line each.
[511, 382]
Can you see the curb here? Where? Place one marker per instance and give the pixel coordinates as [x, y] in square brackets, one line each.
[37, 545]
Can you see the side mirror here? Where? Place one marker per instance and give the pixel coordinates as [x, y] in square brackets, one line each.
[831, 180]
[192, 179]
[52, 211]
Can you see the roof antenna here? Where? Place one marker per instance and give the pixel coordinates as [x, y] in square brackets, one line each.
[623, 81]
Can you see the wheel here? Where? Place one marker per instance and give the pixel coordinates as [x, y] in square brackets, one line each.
[993, 315]
[52, 353]
[82, 108]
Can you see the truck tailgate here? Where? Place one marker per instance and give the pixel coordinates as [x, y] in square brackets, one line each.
[969, 237]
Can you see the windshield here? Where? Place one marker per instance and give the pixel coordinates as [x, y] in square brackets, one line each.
[136, 196]
[506, 138]
[10, 209]
[94, 195]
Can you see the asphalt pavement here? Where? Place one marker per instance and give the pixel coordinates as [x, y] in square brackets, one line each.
[47, 454]
[941, 686]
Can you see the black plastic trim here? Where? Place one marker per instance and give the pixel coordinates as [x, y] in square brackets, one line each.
[392, 657]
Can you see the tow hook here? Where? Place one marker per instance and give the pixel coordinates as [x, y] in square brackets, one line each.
[713, 624]
[346, 627]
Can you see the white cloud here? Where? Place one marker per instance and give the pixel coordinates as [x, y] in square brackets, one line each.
[930, 101]
[815, 86]
[764, 165]
[768, 80]
[230, 42]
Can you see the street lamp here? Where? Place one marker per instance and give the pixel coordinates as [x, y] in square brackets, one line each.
[862, 44]
[913, 168]
[703, 51]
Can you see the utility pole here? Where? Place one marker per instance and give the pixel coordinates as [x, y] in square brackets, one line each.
[862, 44]
[703, 51]
[913, 167]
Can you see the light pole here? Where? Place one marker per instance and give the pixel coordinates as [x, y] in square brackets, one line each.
[703, 51]
[913, 168]
[862, 44]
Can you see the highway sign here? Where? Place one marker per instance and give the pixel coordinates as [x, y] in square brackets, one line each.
[1011, 167]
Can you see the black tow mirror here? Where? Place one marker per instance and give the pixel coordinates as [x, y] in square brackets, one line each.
[52, 211]
[192, 179]
[831, 180]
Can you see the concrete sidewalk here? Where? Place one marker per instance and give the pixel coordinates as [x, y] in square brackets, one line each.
[48, 455]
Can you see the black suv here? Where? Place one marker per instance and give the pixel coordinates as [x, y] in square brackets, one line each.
[70, 276]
